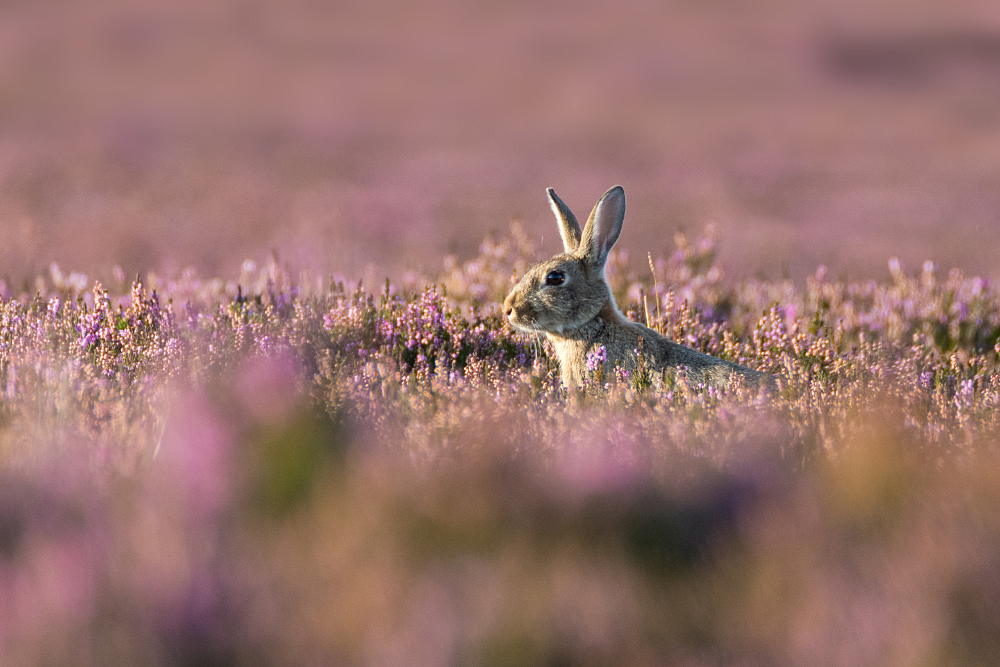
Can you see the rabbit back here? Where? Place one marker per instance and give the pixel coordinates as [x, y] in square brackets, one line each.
[620, 343]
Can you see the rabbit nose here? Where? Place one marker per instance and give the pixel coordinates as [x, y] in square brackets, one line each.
[508, 308]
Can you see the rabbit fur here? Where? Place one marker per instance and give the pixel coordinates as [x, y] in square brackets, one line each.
[568, 299]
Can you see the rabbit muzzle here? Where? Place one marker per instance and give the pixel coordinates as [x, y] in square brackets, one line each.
[521, 315]
[509, 312]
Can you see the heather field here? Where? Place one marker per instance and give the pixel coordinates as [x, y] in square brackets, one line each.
[161, 135]
[298, 470]
[337, 452]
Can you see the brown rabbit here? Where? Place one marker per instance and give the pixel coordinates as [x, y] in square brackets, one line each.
[568, 299]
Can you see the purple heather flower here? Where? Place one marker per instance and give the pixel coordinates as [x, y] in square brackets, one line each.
[596, 357]
[965, 389]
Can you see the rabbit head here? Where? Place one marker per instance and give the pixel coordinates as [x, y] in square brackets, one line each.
[569, 290]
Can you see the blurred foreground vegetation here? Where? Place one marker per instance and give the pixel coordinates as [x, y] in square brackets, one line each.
[292, 470]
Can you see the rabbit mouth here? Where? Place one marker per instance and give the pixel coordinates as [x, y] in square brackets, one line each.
[534, 327]
[530, 327]
[530, 320]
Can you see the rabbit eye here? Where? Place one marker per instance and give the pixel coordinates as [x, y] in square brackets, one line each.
[555, 278]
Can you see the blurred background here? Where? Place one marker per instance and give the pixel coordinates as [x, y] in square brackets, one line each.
[161, 135]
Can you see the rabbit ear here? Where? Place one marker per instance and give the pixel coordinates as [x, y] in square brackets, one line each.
[603, 228]
[569, 228]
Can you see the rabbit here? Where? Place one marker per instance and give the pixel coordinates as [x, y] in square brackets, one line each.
[568, 299]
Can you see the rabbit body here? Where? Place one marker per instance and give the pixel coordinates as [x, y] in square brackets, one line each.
[568, 299]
